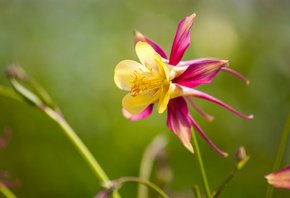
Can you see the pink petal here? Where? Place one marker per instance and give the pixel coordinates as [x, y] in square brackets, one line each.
[236, 74]
[280, 179]
[181, 40]
[200, 72]
[193, 61]
[155, 46]
[178, 121]
[195, 125]
[144, 114]
[185, 91]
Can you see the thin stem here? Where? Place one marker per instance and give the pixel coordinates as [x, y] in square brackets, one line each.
[217, 192]
[10, 93]
[148, 158]
[199, 159]
[279, 154]
[79, 145]
[57, 117]
[119, 181]
[7, 192]
[196, 191]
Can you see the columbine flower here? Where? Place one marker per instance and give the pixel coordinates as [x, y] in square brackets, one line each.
[168, 82]
[280, 179]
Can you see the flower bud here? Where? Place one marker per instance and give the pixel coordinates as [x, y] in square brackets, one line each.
[240, 157]
[240, 154]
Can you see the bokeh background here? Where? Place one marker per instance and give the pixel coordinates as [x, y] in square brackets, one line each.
[72, 48]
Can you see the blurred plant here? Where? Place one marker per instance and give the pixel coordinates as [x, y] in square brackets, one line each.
[5, 138]
[277, 178]
[28, 90]
[154, 152]
[5, 182]
[116, 184]
[241, 158]
[280, 179]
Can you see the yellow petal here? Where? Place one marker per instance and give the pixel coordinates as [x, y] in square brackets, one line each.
[137, 104]
[164, 97]
[163, 70]
[124, 71]
[146, 55]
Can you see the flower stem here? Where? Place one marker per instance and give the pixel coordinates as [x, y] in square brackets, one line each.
[148, 158]
[279, 154]
[58, 118]
[120, 181]
[79, 145]
[6, 191]
[201, 166]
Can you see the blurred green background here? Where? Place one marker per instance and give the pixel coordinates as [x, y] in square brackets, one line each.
[72, 48]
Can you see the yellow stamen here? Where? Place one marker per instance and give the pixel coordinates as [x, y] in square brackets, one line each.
[145, 81]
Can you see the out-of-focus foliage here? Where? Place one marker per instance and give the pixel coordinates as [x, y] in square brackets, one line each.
[72, 48]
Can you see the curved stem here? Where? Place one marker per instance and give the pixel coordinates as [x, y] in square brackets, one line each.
[84, 151]
[148, 158]
[119, 181]
[279, 154]
[200, 163]
[78, 143]
[10, 93]
[57, 117]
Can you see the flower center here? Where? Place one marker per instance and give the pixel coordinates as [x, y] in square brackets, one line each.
[145, 82]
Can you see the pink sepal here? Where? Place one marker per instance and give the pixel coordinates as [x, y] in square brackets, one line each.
[201, 71]
[155, 46]
[280, 179]
[181, 40]
[178, 121]
[144, 114]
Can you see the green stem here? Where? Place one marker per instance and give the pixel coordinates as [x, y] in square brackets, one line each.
[119, 181]
[196, 191]
[78, 143]
[148, 158]
[279, 154]
[10, 93]
[84, 151]
[57, 117]
[6, 191]
[201, 166]
[217, 192]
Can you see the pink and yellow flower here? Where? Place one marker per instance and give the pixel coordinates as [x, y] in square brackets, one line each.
[168, 82]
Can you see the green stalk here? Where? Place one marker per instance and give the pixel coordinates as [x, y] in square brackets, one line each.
[77, 143]
[201, 166]
[148, 158]
[57, 117]
[10, 93]
[6, 191]
[279, 154]
[118, 182]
